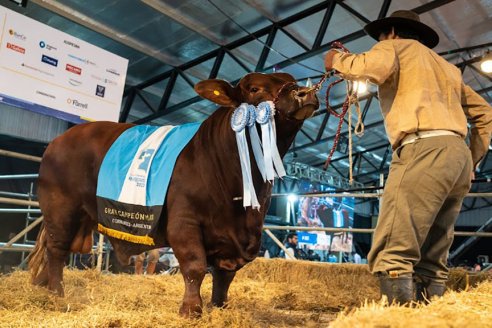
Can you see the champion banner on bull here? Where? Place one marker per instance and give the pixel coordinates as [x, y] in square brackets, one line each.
[134, 177]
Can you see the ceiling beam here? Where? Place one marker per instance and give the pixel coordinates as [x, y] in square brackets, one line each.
[235, 44]
[106, 30]
[174, 13]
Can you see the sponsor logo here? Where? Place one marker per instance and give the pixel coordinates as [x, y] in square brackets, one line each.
[100, 90]
[42, 93]
[37, 69]
[49, 60]
[70, 43]
[112, 71]
[17, 35]
[73, 69]
[16, 48]
[43, 45]
[85, 61]
[77, 104]
[74, 82]
[108, 81]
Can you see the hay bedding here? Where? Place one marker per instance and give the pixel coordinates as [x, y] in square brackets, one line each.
[273, 293]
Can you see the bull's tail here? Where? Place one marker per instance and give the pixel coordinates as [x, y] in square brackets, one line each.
[37, 258]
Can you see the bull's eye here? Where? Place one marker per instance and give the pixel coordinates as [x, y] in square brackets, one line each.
[253, 90]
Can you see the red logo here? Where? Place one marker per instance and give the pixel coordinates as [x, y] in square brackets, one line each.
[74, 69]
[16, 48]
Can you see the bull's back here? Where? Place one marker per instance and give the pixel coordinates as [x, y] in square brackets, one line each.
[71, 162]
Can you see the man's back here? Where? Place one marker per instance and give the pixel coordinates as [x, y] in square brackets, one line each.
[423, 93]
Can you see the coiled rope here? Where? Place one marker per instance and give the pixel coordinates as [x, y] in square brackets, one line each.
[350, 99]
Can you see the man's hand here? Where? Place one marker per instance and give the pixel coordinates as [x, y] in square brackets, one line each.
[329, 59]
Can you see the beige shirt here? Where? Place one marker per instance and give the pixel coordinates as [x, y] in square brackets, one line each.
[419, 91]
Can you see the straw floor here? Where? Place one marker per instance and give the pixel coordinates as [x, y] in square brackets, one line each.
[266, 293]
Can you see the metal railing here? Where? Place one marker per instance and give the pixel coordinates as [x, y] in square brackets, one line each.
[11, 245]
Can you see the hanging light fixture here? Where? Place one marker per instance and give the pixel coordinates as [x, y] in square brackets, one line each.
[360, 86]
[486, 64]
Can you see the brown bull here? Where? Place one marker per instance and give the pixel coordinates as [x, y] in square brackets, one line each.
[200, 220]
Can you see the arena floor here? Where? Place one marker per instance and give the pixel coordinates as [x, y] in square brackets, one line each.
[267, 293]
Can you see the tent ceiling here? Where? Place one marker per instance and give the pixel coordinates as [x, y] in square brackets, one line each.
[172, 44]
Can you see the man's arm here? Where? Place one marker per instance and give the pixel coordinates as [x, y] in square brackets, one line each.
[375, 65]
[479, 114]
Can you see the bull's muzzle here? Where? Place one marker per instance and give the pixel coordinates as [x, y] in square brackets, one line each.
[307, 102]
[305, 96]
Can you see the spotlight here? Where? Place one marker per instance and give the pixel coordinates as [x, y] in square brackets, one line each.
[292, 198]
[486, 65]
[360, 86]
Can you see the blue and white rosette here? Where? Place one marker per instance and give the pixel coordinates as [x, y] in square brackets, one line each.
[239, 120]
[273, 163]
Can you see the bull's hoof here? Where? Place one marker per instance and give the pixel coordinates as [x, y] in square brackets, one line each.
[57, 289]
[190, 311]
[220, 303]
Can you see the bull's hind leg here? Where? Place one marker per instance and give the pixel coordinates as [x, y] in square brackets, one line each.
[57, 251]
[221, 281]
[188, 248]
[63, 230]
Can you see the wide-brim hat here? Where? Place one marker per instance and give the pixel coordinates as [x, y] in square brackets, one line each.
[406, 18]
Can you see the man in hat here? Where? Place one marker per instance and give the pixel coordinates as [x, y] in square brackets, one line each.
[425, 105]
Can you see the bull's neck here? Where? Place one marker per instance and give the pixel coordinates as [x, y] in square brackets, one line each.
[224, 154]
[286, 132]
[224, 139]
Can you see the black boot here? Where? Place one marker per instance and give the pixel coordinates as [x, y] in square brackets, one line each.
[426, 289]
[399, 289]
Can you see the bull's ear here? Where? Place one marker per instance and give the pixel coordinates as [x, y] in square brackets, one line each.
[219, 91]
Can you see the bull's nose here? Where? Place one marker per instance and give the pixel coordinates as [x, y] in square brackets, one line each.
[307, 95]
[302, 92]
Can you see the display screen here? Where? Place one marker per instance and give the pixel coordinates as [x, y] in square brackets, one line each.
[325, 212]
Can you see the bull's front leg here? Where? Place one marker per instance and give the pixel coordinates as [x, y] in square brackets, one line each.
[188, 249]
[221, 281]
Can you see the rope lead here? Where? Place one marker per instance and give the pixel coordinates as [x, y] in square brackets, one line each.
[350, 99]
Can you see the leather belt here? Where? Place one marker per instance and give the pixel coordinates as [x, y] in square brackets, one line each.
[412, 137]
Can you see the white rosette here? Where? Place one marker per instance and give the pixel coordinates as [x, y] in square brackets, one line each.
[273, 163]
[239, 120]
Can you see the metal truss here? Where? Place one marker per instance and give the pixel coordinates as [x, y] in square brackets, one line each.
[270, 31]
[318, 47]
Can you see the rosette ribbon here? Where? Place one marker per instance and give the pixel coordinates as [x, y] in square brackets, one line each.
[256, 141]
[273, 163]
[239, 120]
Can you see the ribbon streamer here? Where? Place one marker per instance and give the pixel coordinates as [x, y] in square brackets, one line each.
[273, 163]
[268, 160]
[255, 141]
[239, 120]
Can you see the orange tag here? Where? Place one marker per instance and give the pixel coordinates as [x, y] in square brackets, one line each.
[216, 92]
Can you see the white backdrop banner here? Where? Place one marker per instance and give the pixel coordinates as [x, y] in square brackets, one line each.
[48, 71]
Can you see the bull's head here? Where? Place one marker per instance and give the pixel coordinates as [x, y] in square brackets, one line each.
[292, 102]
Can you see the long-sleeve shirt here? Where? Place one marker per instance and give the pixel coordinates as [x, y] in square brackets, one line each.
[420, 91]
